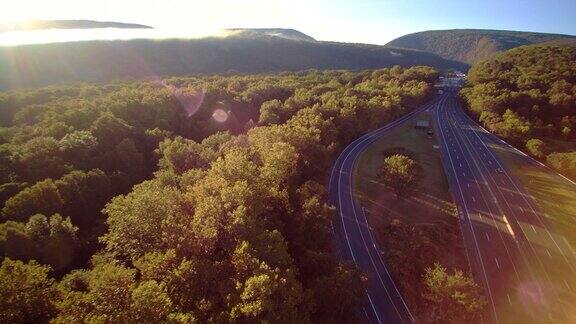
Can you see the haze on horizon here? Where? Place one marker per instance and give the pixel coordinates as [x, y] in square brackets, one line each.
[363, 21]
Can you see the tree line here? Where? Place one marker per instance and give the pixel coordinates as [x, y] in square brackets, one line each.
[131, 202]
[528, 96]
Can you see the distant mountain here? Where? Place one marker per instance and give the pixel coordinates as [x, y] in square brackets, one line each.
[65, 24]
[274, 32]
[42, 64]
[561, 42]
[473, 45]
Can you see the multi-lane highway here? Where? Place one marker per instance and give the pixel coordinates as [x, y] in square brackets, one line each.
[354, 238]
[525, 268]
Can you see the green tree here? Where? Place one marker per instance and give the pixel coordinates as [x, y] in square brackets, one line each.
[41, 198]
[110, 130]
[181, 154]
[400, 173]
[150, 302]
[266, 293]
[27, 294]
[564, 163]
[270, 112]
[39, 158]
[536, 147]
[84, 193]
[451, 298]
[49, 241]
[105, 295]
[515, 126]
[337, 293]
[77, 146]
[151, 218]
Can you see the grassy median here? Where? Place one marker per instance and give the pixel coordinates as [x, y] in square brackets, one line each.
[421, 229]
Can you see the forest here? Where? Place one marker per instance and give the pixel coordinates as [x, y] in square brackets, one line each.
[528, 96]
[188, 199]
[246, 52]
[472, 46]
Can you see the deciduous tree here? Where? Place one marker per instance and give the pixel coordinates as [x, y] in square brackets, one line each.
[400, 173]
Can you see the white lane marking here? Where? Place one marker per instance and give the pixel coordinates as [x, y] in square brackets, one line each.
[381, 261]
[508, 227]
[533, 228]
[374, 133]
[371, 138]
[374, 308]
[473, 199]
[361, 235]
[366, 314]
[548, 251]
[487, 236]
[567, 285]
[523, 195]
[367, 137]
[509, 300]
[342, 217]
[468, 185]
[530, 204]
[471, 227]
[497, 263]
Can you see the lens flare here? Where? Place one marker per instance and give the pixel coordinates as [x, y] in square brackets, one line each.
[220, 115]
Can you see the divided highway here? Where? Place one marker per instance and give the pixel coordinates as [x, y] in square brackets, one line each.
[526, 269]
[354, 238]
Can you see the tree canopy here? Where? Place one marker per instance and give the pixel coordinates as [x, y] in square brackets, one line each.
[151, 210]
[400, 173]
[527, 95]
[452, 298]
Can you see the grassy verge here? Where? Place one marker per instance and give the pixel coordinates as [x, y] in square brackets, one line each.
[421, 229]
[555, 195]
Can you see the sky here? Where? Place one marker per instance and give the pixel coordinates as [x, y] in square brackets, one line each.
[362, 21]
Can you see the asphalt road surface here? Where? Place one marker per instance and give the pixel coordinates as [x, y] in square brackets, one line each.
[354, 237]
[527, 270]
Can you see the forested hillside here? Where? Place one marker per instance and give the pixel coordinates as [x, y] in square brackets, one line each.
[276, 32]
[472, 45]
[250, 51]
[192, 199]
[528, 96]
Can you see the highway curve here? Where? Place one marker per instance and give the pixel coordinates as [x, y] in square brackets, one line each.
[353, 236]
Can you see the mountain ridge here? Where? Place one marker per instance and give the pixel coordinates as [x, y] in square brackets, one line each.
[99, 61]
[287, 33]
[472, 45]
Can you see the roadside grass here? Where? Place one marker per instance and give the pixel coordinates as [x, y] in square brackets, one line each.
[428, 215]
[555, 196]
[431, 200]
[560, 145]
